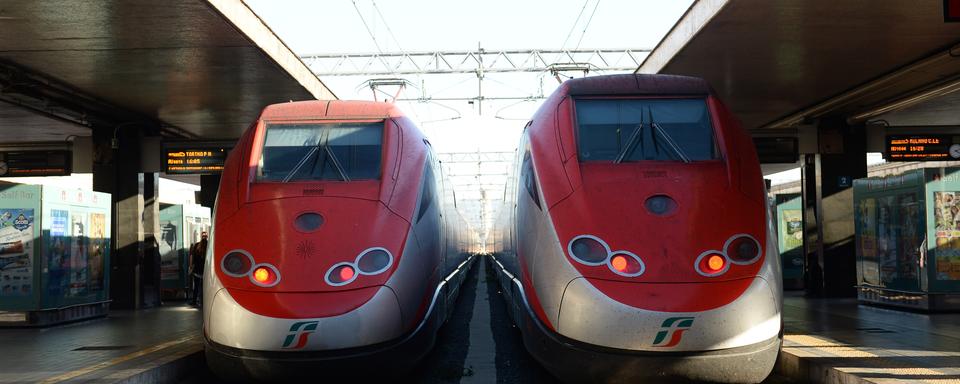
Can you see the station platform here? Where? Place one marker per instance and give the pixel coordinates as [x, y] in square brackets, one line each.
[826, 341]
[146, 346]
[838, 341]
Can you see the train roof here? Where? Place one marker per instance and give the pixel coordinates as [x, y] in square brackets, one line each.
[326, 109]
[637, 84]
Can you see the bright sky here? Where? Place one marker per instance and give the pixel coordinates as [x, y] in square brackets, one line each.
[310, 27]
[338, 26]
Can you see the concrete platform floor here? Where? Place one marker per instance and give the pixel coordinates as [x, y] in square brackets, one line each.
[826, 341]
[124, 345]
[839, 341]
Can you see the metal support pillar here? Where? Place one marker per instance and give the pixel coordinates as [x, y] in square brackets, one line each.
[828, 177]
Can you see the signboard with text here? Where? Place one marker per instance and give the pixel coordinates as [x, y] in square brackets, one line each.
[772, 150]
[36, 163]
[922, 148]
[194, 158]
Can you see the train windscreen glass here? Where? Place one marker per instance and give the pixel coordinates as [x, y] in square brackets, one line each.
[311, 152]
[621, 130]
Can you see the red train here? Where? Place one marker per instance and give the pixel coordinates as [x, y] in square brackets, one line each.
[334, 247]
[635, 241]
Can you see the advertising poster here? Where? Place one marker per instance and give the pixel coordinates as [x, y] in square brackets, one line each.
[78, 254]
[16, 252]
[947, 223]
[868, 240]
[97, 247]
[58, 255]
[908, 259]
[169, 249]
[887, 237]
[792, 229]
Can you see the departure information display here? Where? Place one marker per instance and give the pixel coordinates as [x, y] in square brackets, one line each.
[923, 148]
[194, 158]
[36, 163]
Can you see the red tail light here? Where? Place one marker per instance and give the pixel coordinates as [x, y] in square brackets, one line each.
[712, 263]
[626, 264]
[346, 273]
[715, 263]
[265, 275]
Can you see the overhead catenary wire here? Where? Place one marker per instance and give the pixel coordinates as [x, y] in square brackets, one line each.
[369, 32]
[387, 25]
[584, 33]
[574, 26]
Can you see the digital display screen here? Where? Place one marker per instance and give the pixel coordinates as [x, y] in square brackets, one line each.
[195, 159]
[773, 150]
[36, 163]
[923, 148]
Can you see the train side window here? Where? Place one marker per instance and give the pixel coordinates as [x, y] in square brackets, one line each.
[645, 130]
[530, 179]
[428, 192]
[321, 151]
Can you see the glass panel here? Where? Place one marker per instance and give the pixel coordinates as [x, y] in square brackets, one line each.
[635, 130]
[297, 152]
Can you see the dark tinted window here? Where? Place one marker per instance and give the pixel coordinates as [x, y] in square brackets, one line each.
[298, 152]
[636, 130]
[529, 179]
[428, 191]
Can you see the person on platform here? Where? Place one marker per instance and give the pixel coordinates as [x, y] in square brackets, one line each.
[198, 252]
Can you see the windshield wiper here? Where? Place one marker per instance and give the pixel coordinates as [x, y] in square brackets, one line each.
[631, 142]
[322, 144]
[336, 163]
[673, 144]
[302, 161]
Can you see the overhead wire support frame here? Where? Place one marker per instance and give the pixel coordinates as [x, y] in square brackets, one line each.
[481, 60]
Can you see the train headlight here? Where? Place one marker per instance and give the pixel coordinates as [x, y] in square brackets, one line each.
[265, 275]
[371, 261]
[589, 250]
[742, 249]
[660, 205]
[374, 260]
[236, 263]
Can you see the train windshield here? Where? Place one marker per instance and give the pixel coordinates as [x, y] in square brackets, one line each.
[322, 151]
[621, 130]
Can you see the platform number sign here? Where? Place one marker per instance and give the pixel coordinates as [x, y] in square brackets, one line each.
[844, 181]
[951, 11]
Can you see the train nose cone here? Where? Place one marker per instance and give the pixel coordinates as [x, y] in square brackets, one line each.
[588, 314]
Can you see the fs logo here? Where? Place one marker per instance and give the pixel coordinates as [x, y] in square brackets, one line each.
[299, 332]
[674, 328]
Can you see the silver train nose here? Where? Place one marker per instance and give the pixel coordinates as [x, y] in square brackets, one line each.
[376, 321]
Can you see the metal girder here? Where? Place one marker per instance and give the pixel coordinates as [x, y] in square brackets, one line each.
[478, 61]
[475, 157]
[478, 180]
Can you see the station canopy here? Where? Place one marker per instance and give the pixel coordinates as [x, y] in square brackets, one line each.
[200, 69]
[782, 63]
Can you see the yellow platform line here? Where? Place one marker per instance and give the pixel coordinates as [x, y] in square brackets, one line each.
[118, 360]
